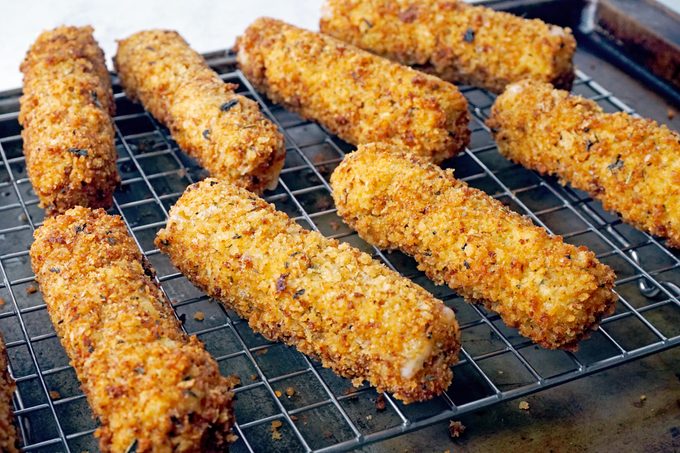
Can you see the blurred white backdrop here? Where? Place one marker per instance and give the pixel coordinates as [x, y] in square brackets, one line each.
[206, 24]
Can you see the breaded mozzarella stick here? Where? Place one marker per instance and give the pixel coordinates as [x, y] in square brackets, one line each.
[553, 292]
[66, 114]
[152, 387]
[461, 43]
[330, 301]
[225, 132]
[358, 96]
[8, 433]
[632, 165]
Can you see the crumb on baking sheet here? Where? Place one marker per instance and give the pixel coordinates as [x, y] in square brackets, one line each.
[31, 289]
[641, 401]
[199, 316]
[456, 429]
[524, 405]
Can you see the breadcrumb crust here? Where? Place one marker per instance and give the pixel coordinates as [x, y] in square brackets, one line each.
[8, 433]
[632, 165]
[553, 292]
[152, 387]
[65, 112]
[226, 132]
[358, 96]
[327, 299]
[466, 44]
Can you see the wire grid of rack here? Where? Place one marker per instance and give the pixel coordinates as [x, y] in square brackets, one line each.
[324, 412]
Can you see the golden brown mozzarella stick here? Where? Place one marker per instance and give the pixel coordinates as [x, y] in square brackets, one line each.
[458, 42]
[330, 301]
[66, 113]
[8, 433]
[630, 164]
[553, 292]
[227, 133]
[358, 96]
[152, 387]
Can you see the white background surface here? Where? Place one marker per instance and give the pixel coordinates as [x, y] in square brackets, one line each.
[207, 25]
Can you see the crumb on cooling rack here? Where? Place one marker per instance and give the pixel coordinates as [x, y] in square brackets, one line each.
[294, 418]
[290, 391]
[199, 316]
[54, 395]
[31, 289]
[262, 351]
[278, 393]
[671, 113]
[380, 403]
[369, 417]
[524, 405]
[2, 302]
[253, 377]
[275, 428]
[456, 429]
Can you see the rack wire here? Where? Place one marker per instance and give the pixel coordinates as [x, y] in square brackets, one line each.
[323, 412]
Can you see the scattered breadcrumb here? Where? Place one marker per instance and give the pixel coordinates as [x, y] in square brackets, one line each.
[380, 403]
[369, 417]
[456, 429]
[335, 226]
[641, 402]
[199, 316]
[671, 113]
[31, 289]
[262, 351]
[2, 302]
[290, 391]
[23, 218]
[253, 377]
[54, 395]
[294, 418]
[524, 405]
[278, 393]
[275, 428]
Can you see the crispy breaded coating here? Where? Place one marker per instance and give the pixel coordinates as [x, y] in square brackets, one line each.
[152, 387]
[8, 433]
[632, 165]
[553, 292]
[66, 114]
[466, 44]
[225, 132]
[356, 95]
[327, 299]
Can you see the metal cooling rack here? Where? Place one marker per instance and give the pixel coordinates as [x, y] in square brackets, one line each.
[325, 413]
